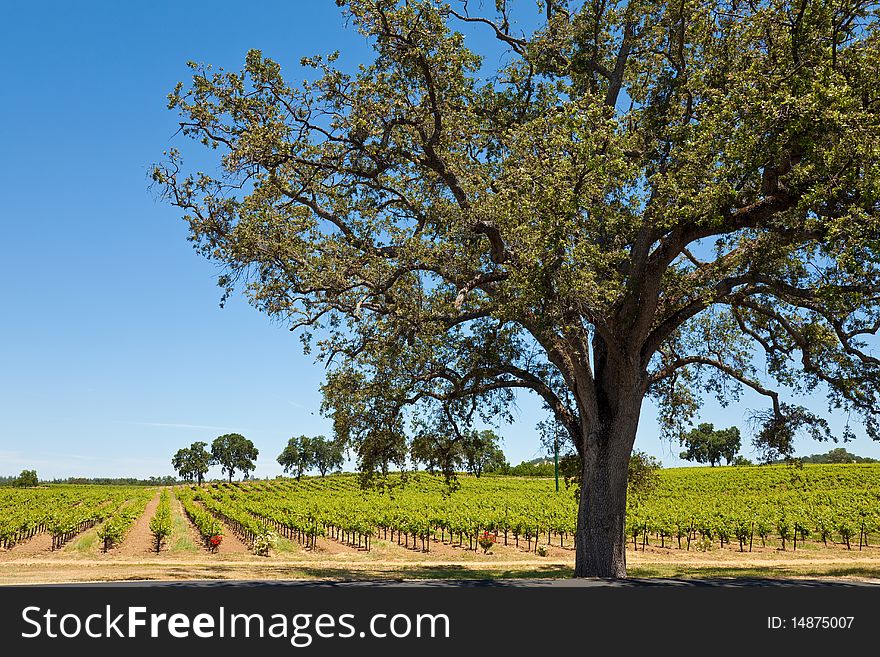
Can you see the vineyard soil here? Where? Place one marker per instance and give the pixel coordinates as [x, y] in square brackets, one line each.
[34, 563]
[139, 539]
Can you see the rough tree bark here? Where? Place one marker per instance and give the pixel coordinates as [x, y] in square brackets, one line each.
[600, 540]
[607, 446]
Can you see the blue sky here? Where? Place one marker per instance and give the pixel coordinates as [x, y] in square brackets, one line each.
[114, 352]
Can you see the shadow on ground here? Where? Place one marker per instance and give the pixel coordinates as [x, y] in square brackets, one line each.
[517, 579]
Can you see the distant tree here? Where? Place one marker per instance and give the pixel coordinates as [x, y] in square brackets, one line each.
[705, 444]
[380, 448]
[233, 452]
[165, 480]
[297, 456]
[119, 481]
[326, 455]
[439, 451]
[27, 479]
[643, 474]
[840, 455]
[445, 449]
[192, 462]
[180, 463]
[534, 468]
[480, 451]
[742, 460]
[498, 467]
[837, 455]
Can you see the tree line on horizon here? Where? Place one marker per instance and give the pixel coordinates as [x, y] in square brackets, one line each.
[705, 444]
[538, 467]
[474, 451]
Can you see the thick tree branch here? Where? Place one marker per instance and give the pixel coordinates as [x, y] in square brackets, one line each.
[732, 372]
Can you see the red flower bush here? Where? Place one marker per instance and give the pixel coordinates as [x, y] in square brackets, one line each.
[487, 540]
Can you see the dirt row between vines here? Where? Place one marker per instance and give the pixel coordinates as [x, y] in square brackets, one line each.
[139, 539]
[36, 544]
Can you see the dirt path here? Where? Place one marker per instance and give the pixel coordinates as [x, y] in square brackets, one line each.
[387, 559]
[139, 539]
[49, 570]
[35, 545]
[58, 559]
[231, 543]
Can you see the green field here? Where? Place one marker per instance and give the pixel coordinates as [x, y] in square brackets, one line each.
[691, 509]
[827, 503]
[64, 511]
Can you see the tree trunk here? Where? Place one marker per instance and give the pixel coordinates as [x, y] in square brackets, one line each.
[600, 543]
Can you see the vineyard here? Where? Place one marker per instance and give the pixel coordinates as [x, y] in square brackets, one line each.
[785, 505]
[692, 508]
[771, 510]
[65, 511]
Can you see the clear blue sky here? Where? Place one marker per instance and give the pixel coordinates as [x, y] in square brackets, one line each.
[113, 349]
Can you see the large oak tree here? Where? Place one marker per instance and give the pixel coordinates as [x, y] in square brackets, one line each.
[636, 199]
[233, 452]
[192, 463]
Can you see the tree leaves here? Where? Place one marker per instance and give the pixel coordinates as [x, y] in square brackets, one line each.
[639, 198]
[234, 453]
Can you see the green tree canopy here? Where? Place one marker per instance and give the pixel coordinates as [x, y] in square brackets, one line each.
[837, 455]
[446, 452]
[480, 451]
[192, 463]
[438, 451]
[327, 455]
[643, 474]
[233, 452]
[304, 452]
[705, 444]
[27, 479]
[640, 198]
[297, 456]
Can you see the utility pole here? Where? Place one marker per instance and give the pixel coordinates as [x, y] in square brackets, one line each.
[556, 454]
